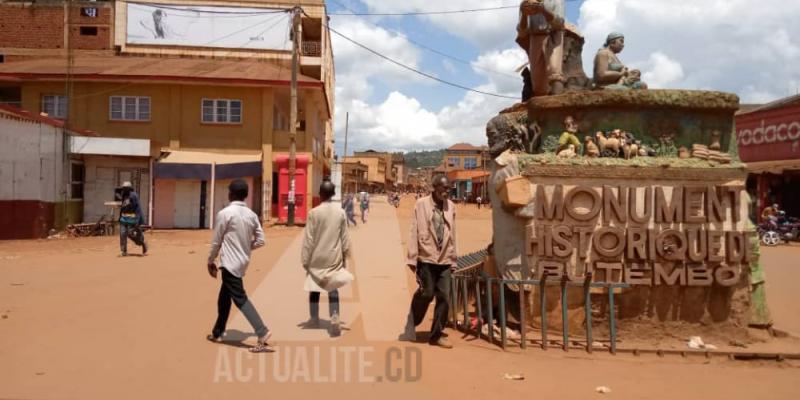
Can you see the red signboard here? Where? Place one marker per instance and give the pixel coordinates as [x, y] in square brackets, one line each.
[771, 135]
[284, 187]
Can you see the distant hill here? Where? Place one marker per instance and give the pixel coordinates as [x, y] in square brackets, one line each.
[417, 159]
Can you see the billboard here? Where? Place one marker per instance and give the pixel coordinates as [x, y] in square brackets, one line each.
[223, 27]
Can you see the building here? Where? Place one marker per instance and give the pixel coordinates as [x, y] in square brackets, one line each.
[382, 174]
[466, 156]
[462, 183]
[400, 171]
[769, 144]
[52, 177]
[192, 79]
[354, 177]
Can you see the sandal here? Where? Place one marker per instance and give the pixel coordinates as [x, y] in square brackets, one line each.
[212, 338]
[263, 345]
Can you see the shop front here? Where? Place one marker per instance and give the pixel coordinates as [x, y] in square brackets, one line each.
[769, 144]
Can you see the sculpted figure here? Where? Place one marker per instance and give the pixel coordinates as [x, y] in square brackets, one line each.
[610, 72]
[569, 138]
[540, 33]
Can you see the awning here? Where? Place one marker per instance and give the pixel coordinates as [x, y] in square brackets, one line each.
[773, 167]
[197, 165]
[105, 146]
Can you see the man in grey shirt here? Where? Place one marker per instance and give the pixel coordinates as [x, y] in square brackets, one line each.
[237, 231]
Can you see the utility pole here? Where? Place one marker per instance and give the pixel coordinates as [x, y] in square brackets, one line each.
[344, 157]
[296, 11]
[485, 179]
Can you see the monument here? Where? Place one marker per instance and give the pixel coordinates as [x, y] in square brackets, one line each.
[621, 184]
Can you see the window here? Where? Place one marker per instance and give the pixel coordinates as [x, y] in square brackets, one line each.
[279, 122]
[77, 176]
[88, 31]
[55, 105]
[470, 163]
[222, 111]
[128, 108]
[454, 161]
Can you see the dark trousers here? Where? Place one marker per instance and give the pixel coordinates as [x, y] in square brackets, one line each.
[333, 303]
[232, 289]
[129, 231]
[351, 217]
[434, 282]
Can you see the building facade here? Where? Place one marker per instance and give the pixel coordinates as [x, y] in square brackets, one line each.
[466, 156]
[769, 145]
[354, 177]
[184, 74]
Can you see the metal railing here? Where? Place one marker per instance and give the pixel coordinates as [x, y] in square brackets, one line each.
[312, 49]
[469, 282]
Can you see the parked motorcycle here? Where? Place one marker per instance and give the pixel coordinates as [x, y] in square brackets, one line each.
[784, 230]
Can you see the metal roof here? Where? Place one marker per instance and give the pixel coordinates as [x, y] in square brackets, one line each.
[155, 69]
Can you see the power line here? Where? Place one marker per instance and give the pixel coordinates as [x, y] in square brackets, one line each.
[430, 12]
[418, 71]
[233, 14]
[427, 47]
[434, 12]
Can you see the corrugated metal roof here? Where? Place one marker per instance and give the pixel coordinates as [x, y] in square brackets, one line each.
[466, 146]
[786, 101]
[155, 68]
[34, 117]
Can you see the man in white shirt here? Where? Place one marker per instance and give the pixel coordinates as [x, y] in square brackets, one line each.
[237, 231]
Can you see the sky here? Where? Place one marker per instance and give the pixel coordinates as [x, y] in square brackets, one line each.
[738, 46]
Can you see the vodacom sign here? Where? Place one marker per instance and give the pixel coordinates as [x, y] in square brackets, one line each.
[777, 132]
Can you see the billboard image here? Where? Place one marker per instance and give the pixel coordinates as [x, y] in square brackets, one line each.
[224, 27]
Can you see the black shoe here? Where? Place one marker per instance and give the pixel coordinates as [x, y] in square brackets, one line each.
[144, 248]
[124, 253]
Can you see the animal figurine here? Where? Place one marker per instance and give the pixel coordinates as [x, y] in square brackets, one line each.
[591, 148]
[569, 152]
[642, 149]
[630, 150]
[604, 143]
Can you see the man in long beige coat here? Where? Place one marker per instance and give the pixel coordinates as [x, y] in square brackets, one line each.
[325, 248]
[432, 253]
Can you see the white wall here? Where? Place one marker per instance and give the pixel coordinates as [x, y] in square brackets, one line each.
[336, 178]
[31, 161]
[103, 174]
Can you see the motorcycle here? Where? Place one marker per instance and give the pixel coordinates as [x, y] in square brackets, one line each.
[784, 230]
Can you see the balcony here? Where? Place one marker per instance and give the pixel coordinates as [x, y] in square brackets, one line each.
[312, 48]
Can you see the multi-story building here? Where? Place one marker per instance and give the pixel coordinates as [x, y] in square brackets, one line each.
[354, 177]
[376, 171]
[466, 156]
[400, 170]
[206, 78]
[382, 174]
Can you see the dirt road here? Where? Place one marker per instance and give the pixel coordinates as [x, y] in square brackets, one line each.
[81, 323]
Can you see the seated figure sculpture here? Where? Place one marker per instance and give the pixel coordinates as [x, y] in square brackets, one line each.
[610, 72]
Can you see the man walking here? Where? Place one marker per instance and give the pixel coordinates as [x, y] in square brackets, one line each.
[364, 207]
[130, 220]
[325, 248]
[432, 252]
[349, 210]
[237, 232]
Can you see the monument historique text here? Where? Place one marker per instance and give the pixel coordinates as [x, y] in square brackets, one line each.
[654, 235]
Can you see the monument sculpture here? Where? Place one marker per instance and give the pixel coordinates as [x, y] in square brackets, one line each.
[610, 72]
[654, 198]
[540, 33]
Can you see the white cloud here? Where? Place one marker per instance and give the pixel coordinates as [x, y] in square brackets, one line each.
[485, 29]
[662, 72]
[738, 46]
[400, 122]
